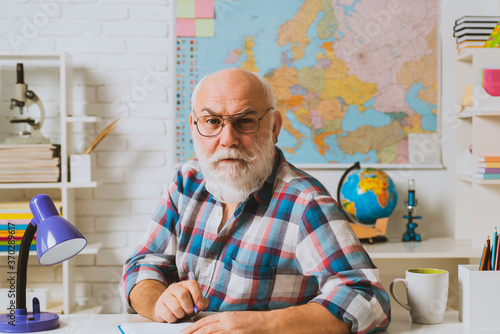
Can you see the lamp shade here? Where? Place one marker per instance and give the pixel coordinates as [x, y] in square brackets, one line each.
[57, 239]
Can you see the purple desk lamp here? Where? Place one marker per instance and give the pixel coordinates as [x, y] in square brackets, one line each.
[57, 240]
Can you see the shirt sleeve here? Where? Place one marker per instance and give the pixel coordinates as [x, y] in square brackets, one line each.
[154, 257]
[349, 282]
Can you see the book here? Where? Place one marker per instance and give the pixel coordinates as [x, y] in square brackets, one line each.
[17, 242]
[464, 38]
[473, 18]
[471, 44]
[30, 163]
[17, 233]
[472, 47]
[16, 248]
[465, 44]
[489, 165]
[7, 238]
[488, 176]
[488, 170]
[475, 25]
[471, 31]
[488, 158]
[29, 178]
[469, 49]
[22, 163]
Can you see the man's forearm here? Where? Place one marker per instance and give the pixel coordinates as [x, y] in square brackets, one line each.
[144, 295]
[309, 318]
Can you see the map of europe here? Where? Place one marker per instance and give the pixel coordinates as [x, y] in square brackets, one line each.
[352, 78]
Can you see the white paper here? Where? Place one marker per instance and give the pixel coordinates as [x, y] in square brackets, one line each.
[160, 327]
[424, 149]
[153, 327]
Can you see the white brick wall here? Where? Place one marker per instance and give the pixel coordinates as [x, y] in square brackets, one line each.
[123, 56]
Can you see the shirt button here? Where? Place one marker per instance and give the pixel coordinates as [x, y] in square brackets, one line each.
[208, 259]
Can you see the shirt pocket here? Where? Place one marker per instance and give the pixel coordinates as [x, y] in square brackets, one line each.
[249, 287]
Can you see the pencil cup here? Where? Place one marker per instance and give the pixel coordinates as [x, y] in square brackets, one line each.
[80, 168]
[427, 294]
[478, 297]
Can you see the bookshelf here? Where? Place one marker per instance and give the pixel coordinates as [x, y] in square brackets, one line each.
[476, 200]
[51, 74]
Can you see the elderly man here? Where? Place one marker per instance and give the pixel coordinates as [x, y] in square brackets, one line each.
[243, 232]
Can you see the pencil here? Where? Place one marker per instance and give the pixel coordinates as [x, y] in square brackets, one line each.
[482, 263]
[486, 263]
[497, 256]
[488, 254]
[494, 249]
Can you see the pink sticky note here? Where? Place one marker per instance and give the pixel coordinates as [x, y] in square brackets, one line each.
[204, 9]
[185, 28]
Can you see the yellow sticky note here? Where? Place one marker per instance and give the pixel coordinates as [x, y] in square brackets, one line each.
[185, 9]
[205, 28]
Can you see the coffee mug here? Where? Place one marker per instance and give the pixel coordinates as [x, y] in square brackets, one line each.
[427, 294]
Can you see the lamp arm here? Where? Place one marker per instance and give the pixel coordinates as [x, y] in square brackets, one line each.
[22, 266]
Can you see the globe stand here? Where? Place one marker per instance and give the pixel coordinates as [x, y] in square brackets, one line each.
[371, 234]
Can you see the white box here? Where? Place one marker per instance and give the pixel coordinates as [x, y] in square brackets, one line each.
[41, 294]
[80, 168]
[479, 297]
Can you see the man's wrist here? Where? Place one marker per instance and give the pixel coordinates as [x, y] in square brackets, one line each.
[144, 295]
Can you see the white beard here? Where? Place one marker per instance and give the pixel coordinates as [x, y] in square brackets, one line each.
[234, 182]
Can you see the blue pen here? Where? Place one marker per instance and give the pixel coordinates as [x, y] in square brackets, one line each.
[191, 276]
[494, 249]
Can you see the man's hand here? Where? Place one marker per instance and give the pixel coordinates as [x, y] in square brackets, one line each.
[231, 322]
[309, 318]
[178, 301]
[153, 300]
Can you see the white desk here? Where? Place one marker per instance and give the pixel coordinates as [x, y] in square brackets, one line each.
[401, 323]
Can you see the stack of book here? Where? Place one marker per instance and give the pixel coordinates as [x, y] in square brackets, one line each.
[473, 31]
[488, 167]
[14, 219]
[30, 163]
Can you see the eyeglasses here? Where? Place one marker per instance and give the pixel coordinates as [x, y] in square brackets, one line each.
[245, 122]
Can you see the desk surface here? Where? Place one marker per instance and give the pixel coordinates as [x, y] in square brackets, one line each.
[401, 323]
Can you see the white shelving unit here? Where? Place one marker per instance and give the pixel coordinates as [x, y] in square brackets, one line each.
[477, 200]
[60, 62]
[434, 248]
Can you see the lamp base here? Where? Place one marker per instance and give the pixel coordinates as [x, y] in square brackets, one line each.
[42, 321]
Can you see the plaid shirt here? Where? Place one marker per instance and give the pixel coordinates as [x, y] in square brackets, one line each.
[288, 244]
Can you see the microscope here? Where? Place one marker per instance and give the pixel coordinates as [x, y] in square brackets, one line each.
[26, 98]
[411, 206]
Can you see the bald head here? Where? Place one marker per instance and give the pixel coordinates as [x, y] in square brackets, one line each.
[223, 82]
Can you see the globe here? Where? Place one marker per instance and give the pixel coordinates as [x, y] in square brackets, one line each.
[368, 194]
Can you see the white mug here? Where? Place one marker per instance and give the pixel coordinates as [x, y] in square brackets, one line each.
[427, 294]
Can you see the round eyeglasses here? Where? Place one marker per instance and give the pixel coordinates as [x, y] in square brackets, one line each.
[245, 122]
